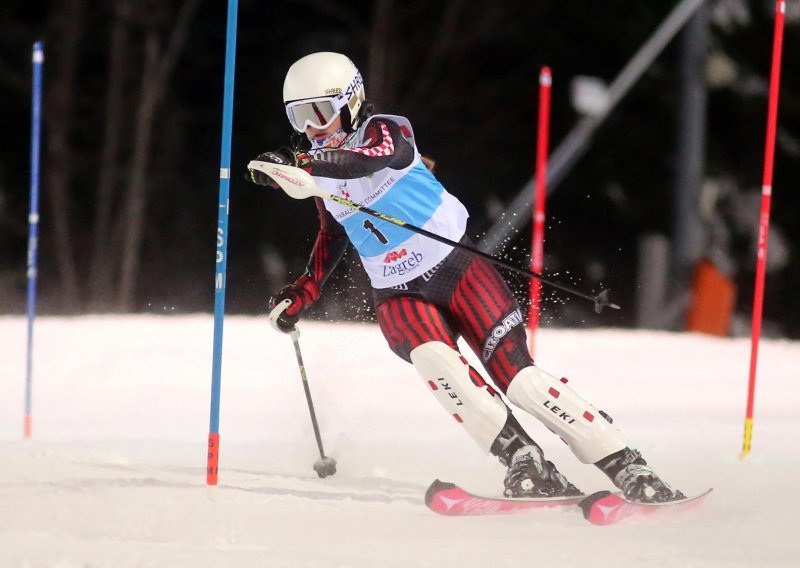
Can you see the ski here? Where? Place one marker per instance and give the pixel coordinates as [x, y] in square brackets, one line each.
[451, 500]
[606, 508]
[600, 508]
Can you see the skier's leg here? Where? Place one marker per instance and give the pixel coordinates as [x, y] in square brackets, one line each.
[586, 431]
[419, 333]
[487, 315]
[477, 407]
[489, 318]
[474, 404]
[589, 434]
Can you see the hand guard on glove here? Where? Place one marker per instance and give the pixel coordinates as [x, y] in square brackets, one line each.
[304, 292]
[284, 156]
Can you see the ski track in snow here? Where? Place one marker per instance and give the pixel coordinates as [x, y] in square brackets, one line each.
[115, 473]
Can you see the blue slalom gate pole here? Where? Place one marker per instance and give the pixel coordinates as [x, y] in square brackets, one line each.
[222, 242]
[33, 228]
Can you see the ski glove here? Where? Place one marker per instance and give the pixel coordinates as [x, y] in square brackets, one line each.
[284, 156]
[304, 292]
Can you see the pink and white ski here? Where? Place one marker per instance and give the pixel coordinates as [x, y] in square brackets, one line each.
[601, 508]
[449, 499]
[606, 508]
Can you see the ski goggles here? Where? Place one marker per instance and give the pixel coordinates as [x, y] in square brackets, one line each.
[317, 113]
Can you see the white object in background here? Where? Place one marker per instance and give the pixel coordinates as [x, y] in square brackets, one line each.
[588, 95]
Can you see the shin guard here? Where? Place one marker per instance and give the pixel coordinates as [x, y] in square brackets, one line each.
[481, 413]
[585, 429]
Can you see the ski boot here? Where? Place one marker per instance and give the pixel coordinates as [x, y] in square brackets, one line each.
[637, 481]
[530, 475]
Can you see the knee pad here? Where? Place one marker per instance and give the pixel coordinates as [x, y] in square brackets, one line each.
[481, 413]
[586, 431]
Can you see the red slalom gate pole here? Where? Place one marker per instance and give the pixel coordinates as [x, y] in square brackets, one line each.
[540, 193]
[763, 229]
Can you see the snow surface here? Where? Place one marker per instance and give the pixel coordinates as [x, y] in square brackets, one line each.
[115, 473]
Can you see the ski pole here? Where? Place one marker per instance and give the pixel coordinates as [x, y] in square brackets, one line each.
[297, 183]
[324, 466]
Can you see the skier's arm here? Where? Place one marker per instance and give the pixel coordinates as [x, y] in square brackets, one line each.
[384, 147]
[285, 306]
[329, 247]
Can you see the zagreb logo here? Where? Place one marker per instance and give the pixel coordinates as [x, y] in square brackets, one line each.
[499, 331]
[405, 262]
[394, 256]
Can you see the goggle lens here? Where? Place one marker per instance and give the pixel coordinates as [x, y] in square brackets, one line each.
[316, 113]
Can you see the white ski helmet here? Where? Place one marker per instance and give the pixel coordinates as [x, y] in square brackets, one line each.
[319, 87]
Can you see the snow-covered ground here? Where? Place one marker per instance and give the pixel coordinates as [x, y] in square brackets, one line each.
[115, 473]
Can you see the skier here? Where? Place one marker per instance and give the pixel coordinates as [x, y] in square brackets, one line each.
[427, 294]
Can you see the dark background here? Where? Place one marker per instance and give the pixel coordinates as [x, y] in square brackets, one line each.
[132, 122]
